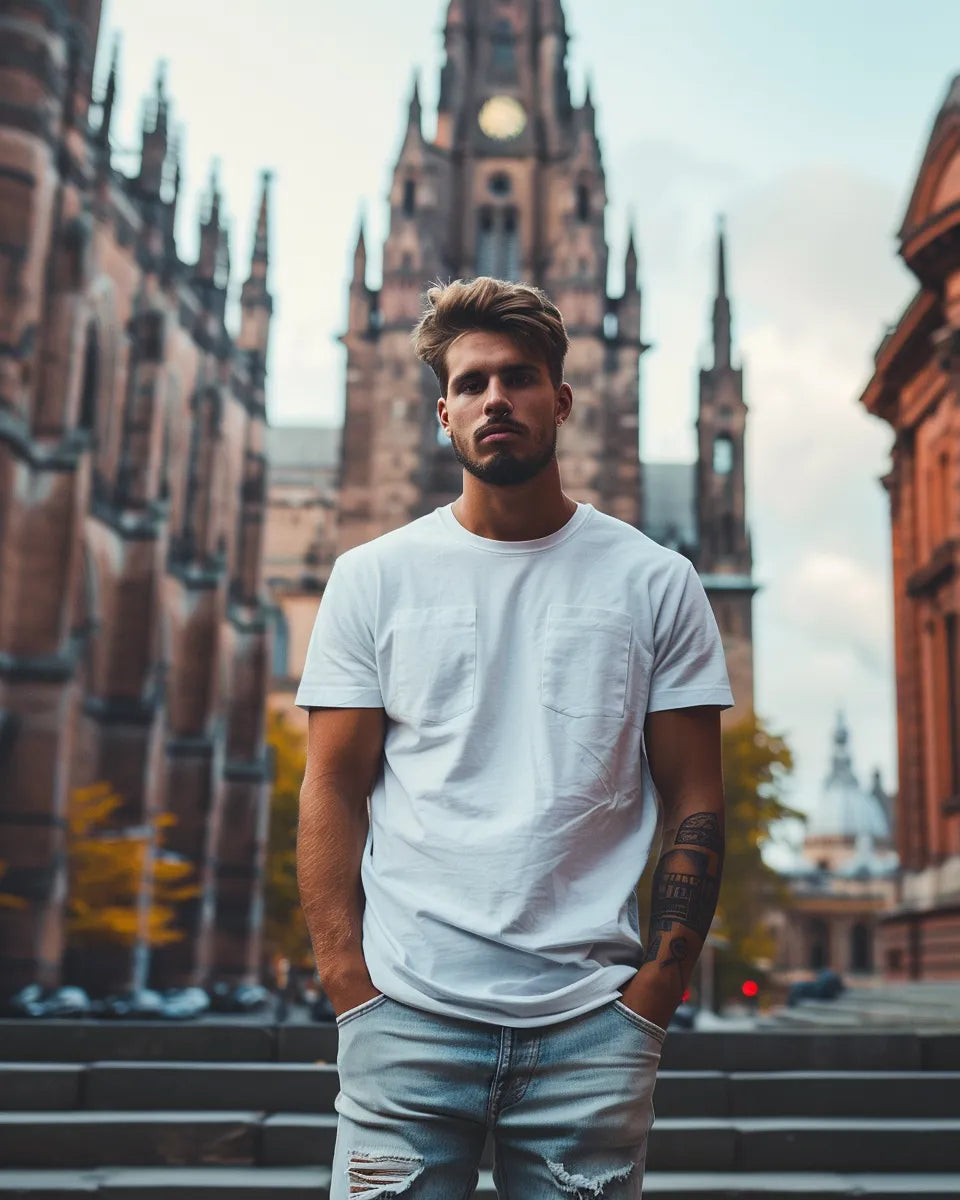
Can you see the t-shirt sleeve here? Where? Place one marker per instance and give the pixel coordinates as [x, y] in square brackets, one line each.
[688, 663]
[341, 667]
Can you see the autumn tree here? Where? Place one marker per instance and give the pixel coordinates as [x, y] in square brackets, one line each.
[756, 766]
[108, 868]
[286, 931]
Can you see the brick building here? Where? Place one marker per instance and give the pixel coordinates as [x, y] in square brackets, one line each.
[513, 185]
[916, 389]
[133, 641]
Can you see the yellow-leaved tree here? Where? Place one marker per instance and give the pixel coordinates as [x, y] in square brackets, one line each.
[756, 766]
[286, 931]
[106, 869]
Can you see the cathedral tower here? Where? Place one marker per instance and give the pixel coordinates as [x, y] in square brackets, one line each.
[724, 557]
[512, 185]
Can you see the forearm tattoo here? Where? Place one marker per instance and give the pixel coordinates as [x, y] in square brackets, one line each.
[686, 886]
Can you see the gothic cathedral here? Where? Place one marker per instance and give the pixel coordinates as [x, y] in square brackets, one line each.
[513, 185]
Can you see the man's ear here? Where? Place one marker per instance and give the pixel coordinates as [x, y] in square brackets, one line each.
[564, 401]
[442, 415]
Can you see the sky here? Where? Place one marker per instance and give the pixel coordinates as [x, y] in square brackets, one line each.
[804, 125]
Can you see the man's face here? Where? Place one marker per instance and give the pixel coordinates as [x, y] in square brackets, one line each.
[501, 409]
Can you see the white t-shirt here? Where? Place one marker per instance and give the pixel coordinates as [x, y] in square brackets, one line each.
[514, 810]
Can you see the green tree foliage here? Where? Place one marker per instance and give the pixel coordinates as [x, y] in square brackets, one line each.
[286, 931]
[106, 867]
[756, 765]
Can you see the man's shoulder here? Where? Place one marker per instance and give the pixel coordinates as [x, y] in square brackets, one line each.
[637, 549]
[394, 546]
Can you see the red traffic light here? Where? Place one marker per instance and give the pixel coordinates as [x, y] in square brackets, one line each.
[750, 988]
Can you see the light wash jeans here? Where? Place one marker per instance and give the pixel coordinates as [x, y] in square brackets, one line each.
[569, 1106]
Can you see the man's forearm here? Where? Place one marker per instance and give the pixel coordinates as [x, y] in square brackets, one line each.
[686, 885]
[331, 837]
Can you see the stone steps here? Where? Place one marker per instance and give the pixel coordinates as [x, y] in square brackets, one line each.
[235, 1138]
[226, 1183]
[231, 1042]
[218, 1109]
[312, 1088]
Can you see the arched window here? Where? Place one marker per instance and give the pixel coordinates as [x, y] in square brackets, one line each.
[583, 203]
[409, 198]
[819, 943]
[723, 454]
[861, 950]
[87, 419]
[611, 326]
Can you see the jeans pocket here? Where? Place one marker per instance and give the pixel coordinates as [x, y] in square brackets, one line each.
[360, 1010]
[638, 1022]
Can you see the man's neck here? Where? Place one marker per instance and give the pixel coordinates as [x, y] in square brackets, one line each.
[520, 513]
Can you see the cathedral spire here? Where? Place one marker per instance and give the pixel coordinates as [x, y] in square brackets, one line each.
[416, 110]
[109, 96]
[360, 258]
[589, 111]
[260, 256]
[212, 260]
[154, 137]
[630, 262]
[160, 120]
[721, 305]
[256, 303]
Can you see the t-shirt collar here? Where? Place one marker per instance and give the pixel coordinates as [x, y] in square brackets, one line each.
[453, 527]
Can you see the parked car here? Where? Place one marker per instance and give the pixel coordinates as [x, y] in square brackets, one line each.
[685, 1017]
[826, 986]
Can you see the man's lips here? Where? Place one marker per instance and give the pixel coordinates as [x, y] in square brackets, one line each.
[499, 433]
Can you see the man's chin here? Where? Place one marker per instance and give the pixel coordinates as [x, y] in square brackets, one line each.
[504, 469]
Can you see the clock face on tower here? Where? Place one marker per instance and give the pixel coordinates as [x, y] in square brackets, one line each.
[502, 118]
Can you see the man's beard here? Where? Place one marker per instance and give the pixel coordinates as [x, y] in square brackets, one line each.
[505, 469]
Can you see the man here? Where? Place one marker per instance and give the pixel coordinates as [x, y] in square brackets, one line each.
[506, 679]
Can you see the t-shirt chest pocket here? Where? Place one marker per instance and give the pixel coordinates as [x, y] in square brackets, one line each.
[586, 661]
[433, 663]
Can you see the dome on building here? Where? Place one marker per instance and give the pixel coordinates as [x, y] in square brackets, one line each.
[844, 809]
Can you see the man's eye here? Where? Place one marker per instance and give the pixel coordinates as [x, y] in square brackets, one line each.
[470, 387]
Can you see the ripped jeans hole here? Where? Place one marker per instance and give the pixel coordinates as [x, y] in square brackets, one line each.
[582, 1188]
[374, 1175]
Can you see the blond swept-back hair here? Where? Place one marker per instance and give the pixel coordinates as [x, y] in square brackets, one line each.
[521, 311]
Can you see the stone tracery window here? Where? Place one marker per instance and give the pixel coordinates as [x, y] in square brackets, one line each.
[498, 242]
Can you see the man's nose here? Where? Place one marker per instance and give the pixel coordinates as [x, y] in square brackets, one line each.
[497, 399]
